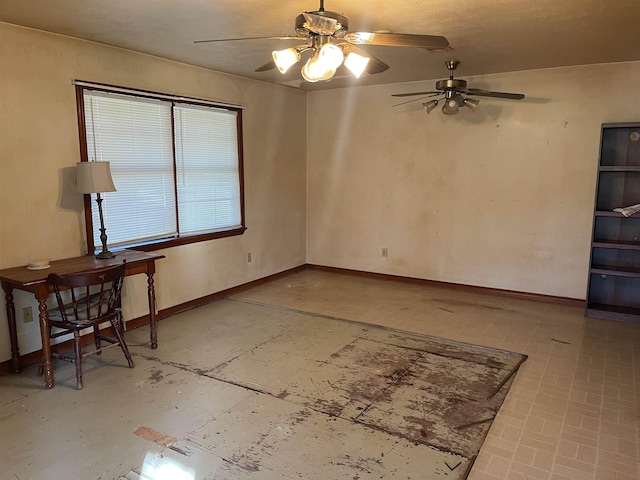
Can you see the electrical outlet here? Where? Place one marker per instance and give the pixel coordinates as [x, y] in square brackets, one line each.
[27, 315]
[384, 252]
[248, 257]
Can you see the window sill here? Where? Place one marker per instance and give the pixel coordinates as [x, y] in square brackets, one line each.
[183, 240]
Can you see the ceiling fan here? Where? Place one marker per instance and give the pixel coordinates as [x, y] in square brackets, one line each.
[326, 35]
[452, 90]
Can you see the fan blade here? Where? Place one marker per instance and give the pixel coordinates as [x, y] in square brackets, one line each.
[486, 93]
[375, 65]
[267, 66]
[413, 100]
[249, 38]
[431, 42]
[416, 93]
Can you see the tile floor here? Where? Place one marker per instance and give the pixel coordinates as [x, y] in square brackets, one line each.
[572, 411]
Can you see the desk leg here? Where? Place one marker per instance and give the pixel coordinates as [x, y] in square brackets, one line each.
[13, 332]
[153, 322]
[46, 342]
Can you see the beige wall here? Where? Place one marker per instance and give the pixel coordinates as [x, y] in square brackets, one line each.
[41, 216]
[502, 197]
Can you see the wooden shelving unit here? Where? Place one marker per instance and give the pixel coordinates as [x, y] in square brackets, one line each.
[614, 268]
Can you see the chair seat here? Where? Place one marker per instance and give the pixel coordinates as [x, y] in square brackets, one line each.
[82, 320]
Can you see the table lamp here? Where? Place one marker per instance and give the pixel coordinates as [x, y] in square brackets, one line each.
[95, 177]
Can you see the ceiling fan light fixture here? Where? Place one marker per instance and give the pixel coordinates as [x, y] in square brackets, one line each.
[356, 64]
[430, 105]
[331, 55]
[315, 70]
[284, 59]
[452, 90]
[472, 103]
[450, 107]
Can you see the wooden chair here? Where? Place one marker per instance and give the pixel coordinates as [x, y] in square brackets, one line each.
[87, 300]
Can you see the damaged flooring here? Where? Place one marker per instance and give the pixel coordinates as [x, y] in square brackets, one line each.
[271, 384]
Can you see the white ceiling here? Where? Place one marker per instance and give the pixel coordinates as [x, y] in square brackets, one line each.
[487, 36]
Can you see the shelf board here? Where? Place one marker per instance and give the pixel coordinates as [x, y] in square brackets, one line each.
[615, 271]
[611, 213]
[612, 312]
[620, 168]
[617, 245]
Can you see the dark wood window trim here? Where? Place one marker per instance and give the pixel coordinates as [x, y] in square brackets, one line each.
[183, 239]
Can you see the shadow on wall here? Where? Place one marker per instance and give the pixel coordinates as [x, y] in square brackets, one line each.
[69, 199]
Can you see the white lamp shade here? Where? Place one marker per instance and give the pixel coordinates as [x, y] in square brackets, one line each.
[94, 177]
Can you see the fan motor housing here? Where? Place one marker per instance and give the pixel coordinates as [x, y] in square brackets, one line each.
[451, 84]
[342, 27]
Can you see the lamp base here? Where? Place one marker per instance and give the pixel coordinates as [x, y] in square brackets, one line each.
[105, 254]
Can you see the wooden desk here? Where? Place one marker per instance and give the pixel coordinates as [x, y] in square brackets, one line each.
[35, 281]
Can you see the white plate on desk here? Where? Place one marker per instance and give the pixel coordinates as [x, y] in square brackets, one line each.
[38, 267]
[40, 264]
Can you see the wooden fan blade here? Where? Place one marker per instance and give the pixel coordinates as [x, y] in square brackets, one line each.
[374, 66]
[412, 100]
[416, 93]
[250, 38]
[431, 42]
[486, 93]
[266, 67]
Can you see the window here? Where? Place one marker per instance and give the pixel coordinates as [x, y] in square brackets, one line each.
[176, 164]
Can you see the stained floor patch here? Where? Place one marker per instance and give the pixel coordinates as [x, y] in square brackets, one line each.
[336, 399]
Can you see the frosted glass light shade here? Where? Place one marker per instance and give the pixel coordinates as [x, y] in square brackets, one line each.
[94, 177]
[450, 107]
[430, 105]
[284, 59]
[331, 56]
[356, 64]
[315, 70]
[472, 103]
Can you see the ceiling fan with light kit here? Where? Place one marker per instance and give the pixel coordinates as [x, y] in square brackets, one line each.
[452, 91]
[326, 36]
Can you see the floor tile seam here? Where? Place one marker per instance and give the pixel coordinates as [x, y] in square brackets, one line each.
[249, 388]
[194, 370]
[261, 391]
[395, 382]
[368, 324]
[429, 445]
[401, 438]
[449, 357]
[354, 420]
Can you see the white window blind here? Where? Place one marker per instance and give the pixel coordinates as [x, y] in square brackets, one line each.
[208, 181]
[176, 167]
[134, 134]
